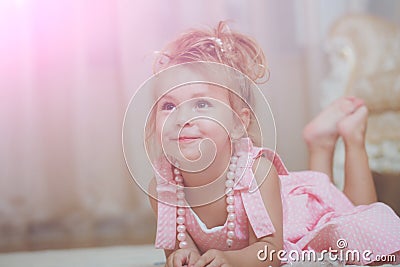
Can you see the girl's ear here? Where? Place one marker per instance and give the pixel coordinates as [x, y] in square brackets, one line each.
[242, 122]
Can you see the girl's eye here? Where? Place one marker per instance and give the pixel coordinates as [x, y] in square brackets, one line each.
[168, 106]
[202, 104]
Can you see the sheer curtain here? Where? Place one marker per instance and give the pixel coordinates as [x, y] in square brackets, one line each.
[67, 72]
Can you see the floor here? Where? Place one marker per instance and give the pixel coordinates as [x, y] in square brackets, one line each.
[388, 190]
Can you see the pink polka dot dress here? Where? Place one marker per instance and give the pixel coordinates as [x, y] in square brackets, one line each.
[315, 213]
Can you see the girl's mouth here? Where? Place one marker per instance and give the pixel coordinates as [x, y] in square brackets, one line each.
[187, 139]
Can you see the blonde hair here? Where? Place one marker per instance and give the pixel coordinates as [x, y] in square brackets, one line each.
[220, 45]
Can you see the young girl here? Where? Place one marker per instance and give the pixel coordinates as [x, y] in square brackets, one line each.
[221, 200]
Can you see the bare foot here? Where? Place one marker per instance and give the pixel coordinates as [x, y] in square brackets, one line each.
[322, 132]
[352, 128]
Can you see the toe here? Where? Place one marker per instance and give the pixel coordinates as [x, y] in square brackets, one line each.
[350, 104]
[353, 126]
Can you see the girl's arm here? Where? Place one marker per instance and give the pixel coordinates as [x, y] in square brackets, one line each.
[270, 192]
[175, 257]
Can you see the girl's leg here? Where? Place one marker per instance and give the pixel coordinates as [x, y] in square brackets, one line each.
[359, 185]
[321, 133]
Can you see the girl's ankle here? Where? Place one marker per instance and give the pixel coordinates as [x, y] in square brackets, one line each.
[354, 141]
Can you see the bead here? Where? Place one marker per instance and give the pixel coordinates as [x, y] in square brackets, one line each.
[181, 203]
[231, 216]
[180, 195]
[229, 183]
[176, 171]
[178, 179]
[229, 242]
[230, 175]
[181, 228]
[230, 200]
[230, 208]
[231, 225]
[234, 159]
[181, 211]
[230, 234]
[229, 191]
[180, 220]
[181, 236]
[183, 244]
[232, 166]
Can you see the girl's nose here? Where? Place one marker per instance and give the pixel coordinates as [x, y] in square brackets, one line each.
[183, 121]
[182, 116]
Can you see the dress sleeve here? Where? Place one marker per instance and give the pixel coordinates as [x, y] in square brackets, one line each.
[273, 157]
[252, 200]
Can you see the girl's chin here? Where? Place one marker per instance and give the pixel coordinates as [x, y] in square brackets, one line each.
[190, 157]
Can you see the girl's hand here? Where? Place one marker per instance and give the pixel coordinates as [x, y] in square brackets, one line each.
[182, 257]
[213, 258]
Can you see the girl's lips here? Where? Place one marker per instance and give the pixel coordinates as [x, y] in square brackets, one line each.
[186, 139]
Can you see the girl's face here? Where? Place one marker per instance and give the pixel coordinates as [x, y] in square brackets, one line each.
[195, 120]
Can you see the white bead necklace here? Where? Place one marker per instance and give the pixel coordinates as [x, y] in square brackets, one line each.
[229, 198]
